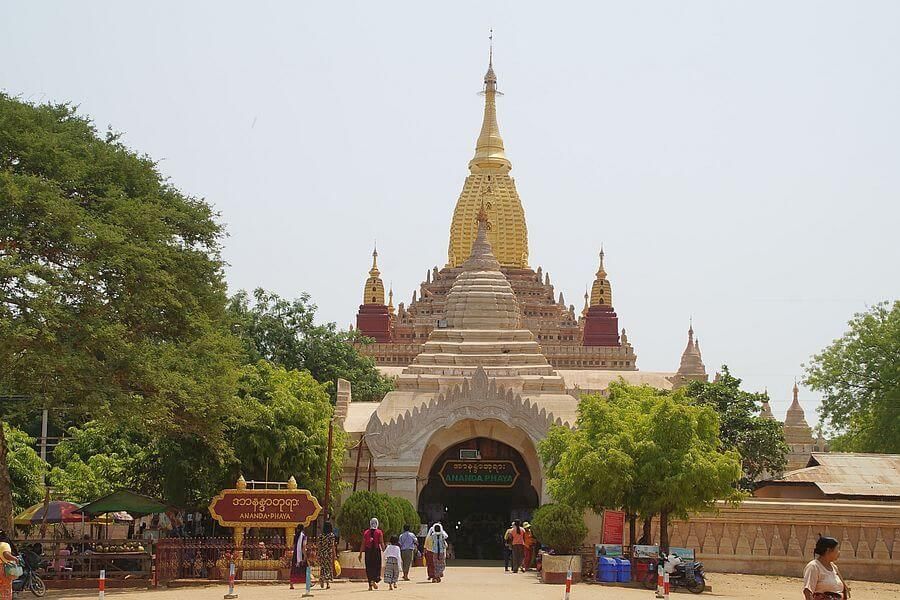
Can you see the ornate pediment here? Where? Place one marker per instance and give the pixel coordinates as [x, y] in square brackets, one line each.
[478, 398]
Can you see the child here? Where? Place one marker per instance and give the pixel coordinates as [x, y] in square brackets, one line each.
[392, 562]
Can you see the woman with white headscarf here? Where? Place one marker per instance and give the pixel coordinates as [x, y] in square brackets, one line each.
[436, 552]
[372, 546]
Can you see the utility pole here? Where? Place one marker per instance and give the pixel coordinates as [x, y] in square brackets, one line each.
[328, 468]
[359, 449]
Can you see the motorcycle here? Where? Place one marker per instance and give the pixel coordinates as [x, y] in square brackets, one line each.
[687, 575]
[29, 580]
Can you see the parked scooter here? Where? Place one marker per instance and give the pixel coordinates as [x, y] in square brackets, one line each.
[681, 574]
[30, 581]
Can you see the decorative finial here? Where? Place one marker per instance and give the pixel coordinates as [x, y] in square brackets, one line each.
[292, 483]
[491, 51]
[241, 483]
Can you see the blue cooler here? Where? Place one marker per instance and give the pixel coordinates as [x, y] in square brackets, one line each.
[607, 569]
[624, 572]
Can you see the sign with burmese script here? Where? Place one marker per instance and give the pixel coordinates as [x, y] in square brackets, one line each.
[264, 508]
[479, 473]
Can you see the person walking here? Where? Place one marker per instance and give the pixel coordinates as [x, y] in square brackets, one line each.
[327, 545]
[507, 547]
[392, 563]
[7, 559]
[821, 578]
[409, 544]
[372, 547]
[528, 550]
[298, 566]
[517, 541]
[436, 552]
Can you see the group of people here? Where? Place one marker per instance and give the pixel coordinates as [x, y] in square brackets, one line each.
[519, 547]
[400, 552]
[322, 554]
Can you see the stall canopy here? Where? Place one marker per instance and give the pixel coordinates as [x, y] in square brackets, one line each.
[133, 503]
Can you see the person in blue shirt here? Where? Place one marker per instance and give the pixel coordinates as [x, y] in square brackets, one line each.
[409, 544]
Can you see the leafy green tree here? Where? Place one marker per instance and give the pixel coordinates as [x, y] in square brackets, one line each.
[97, 459]
[859, 377]
[656, 453]
[284, 332]
[759, 441]
[282, 425]
[355, 513]
[112, 297]
[26, 469]
[559, 526]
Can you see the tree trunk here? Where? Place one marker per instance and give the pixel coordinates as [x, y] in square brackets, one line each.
[647, 535]
[632, 528]
[663, 532]
[6, 501]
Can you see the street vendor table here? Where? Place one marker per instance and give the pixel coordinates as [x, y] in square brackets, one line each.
[117, 564]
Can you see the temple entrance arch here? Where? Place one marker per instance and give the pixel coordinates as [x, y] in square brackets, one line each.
[475, 477]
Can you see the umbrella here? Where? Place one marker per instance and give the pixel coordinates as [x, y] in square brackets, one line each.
[57, 511]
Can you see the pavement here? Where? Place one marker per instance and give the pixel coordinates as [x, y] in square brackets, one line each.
[490, 583]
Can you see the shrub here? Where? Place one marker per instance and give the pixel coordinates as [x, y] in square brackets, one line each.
[559, 526]
[392, 513]
[355, 513]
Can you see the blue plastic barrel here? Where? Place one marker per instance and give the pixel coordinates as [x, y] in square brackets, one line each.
[624, 571]
[607, 570]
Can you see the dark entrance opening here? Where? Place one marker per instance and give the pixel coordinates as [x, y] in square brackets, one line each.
[476, 489]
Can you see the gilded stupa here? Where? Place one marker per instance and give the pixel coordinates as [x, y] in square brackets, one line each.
[570, 340]
[489, 187]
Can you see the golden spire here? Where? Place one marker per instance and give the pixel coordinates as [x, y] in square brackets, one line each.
[391, 299]
[373, 293]
[489, 151]
[601, 291]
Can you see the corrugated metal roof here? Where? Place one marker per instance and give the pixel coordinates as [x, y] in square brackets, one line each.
[849, 474]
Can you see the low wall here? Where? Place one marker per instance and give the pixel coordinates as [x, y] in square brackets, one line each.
[777, 536]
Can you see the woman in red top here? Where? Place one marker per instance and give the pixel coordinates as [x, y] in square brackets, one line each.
[516, 537]
[372, 545]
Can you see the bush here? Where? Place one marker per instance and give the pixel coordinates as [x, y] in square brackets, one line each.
[392, 514]
[559, 526]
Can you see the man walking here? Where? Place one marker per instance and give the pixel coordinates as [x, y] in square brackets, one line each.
[408, 545]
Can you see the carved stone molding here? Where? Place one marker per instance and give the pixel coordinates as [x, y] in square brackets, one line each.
[477, 399]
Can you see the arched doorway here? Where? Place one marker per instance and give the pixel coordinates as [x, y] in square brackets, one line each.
[476, 488]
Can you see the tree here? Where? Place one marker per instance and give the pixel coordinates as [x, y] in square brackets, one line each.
[26, 469]
[644, 450]
[112, 297]
[859, 377]
[97, 459]
[282, 425]
[284, 332]
[559, 526]
[758, 440]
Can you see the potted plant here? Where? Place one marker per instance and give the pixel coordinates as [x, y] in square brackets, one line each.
[561, 528]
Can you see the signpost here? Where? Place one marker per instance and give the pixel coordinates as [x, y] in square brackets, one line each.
[479, 473]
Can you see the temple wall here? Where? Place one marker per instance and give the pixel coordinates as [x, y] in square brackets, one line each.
[777, 536]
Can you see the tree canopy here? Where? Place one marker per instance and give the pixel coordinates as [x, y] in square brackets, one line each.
[284, 332]
[858, 375]
[112, 298]
[282, 425]
[759, 441]
[26, 469]
[644, 450]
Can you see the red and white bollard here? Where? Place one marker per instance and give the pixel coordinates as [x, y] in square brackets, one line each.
[666, 586]
[569, 580]
[154, 575]
[230, 593]
[660, 577]
[102, 584]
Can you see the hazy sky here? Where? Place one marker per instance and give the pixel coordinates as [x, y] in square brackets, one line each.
[740, 161]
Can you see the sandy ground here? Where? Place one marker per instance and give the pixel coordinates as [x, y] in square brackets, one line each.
[489, 583]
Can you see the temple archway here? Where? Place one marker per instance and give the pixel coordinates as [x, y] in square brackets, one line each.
[477, 484]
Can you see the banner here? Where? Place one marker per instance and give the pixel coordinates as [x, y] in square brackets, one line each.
[613, 527]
